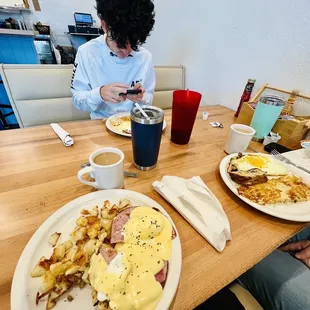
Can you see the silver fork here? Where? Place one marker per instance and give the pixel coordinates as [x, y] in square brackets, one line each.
[280, 157]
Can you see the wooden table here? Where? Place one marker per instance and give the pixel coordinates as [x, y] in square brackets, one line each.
[38, 176]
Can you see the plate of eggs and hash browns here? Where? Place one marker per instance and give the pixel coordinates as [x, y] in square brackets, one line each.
[107, 250]
[120, 124]
[268, 185]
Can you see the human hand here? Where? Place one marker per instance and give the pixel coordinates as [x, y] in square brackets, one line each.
[111, 92]
[302, 248]
[138, 97]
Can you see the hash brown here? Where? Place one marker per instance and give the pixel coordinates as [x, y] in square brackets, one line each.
[278, 190]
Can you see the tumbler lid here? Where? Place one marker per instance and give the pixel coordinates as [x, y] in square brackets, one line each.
[156, 115]
[272, 100]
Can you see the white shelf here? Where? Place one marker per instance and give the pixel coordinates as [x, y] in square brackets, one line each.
[85, 34]
[13, 9]
[18, 32]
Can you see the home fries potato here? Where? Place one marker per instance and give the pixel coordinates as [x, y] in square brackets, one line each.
[69, 263]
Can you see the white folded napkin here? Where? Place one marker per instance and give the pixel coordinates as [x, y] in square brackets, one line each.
[198, 205]
[298, 157]
[63, 135]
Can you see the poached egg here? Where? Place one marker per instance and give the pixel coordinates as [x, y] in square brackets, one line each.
[128, 282]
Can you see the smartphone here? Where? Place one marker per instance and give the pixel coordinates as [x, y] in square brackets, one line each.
[131, 92]
[275, 146]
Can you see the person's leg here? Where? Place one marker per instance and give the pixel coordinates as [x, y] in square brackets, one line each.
[279, 282]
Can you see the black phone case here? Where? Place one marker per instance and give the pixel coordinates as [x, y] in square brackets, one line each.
[131, 92]
[275, 146]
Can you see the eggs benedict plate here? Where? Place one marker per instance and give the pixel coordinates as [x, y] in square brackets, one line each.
[120, 246]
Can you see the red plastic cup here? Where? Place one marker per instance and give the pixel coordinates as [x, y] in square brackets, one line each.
[184, 110]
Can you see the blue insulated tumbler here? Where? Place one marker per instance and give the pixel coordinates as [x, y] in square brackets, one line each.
[146, 136]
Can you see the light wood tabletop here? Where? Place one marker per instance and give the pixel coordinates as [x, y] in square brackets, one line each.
[38, 176]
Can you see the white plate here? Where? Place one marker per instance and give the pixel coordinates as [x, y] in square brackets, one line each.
[112, 128]
[299, 212]
[24, 288]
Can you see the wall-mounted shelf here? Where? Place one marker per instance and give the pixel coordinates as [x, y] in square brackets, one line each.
[13, 9]
[84, 34]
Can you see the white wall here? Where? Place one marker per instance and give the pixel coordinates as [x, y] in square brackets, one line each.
[59, 14]
[222, 43]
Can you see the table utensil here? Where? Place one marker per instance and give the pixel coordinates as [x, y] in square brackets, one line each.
[146, 136]
[63, 135]
[184, 110]
[199, 206]
[251, 149]
[280, 157]
[63, 220]
[239, 138]
[297, 212]
[109, 175]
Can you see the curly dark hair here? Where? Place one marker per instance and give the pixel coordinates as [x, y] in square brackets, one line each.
[128, 21]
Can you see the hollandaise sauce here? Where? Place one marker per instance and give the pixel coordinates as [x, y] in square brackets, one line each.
[128, 282]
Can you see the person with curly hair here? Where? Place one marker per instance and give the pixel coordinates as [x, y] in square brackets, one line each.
[110, 64]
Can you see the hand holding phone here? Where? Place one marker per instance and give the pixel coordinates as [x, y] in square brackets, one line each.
[110, 92]
[135, 94]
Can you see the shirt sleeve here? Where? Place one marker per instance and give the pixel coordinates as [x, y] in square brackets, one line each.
[84, 97]
[149, 84]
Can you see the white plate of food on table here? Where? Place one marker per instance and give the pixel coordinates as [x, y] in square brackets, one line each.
[120, 124]
[268, 185]
[113, 249]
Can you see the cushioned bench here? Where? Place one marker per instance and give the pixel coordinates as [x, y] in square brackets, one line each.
[41, 94]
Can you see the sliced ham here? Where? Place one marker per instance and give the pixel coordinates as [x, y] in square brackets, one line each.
[118, 223]
[107, 252]
[162, 275]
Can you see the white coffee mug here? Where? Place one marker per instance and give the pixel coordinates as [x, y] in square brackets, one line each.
[239, 138]
[107, 177]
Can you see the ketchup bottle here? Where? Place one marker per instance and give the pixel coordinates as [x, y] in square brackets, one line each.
[246, 95]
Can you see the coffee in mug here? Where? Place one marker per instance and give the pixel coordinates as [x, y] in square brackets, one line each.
[106, 159]
[239, 138]
[107, 167]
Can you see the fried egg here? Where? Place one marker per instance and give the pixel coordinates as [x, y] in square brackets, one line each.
[266, 164]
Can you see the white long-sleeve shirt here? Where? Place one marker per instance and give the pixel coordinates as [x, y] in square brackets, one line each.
[95, 66]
